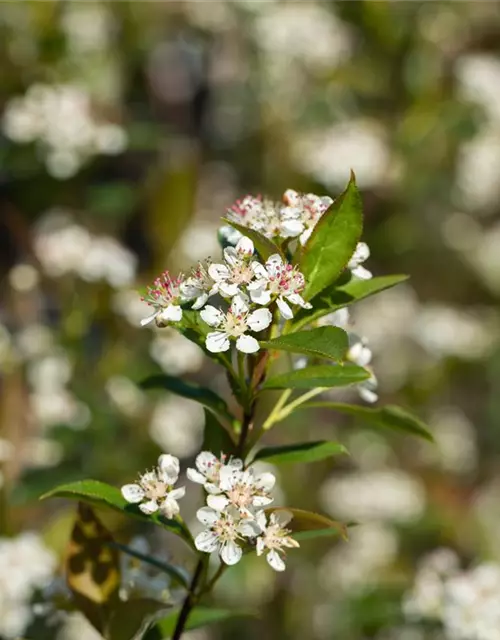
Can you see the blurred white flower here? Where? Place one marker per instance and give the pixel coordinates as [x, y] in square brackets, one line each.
[34, 341]
[329, 155]
[23, 277]
[125, 395]
[128, 304]
[106, 259]
[176, 354]
[357, 565]
[388, 495]
[177, 426]
[87, 26]
[478, 75]
[360, 255]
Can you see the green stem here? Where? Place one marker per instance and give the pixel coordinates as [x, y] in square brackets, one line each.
[190, 600]
[286, 411]
[276, 409]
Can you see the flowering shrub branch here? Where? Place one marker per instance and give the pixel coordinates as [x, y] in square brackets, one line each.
[288, 273]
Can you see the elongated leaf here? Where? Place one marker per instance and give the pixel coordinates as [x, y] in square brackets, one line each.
[390, 416]
[324, 342]
[333, 241]
[192, 391]
[176, 573]
[131, 619]
[216, 438]
[308, 521]
[200, 616]
[304, 536]
[318, 376]
[92, 568]
[102, 494]
[338, 296]
[263, 245]
[300, 452]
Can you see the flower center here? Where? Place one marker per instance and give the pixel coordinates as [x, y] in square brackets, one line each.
[241, 496]
[154, 489]
[241, 274]
[225, 530]
[235, 324]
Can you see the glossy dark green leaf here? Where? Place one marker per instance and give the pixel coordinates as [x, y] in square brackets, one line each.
[216, 438]
[326, 375]
[131, 619]
[333, 241]
[323, 342]
[199, 617]
[390, 416]
[102, 494]
[264, 246]
[192, 391]
[338, 296]
[300, 452]
[308, 521]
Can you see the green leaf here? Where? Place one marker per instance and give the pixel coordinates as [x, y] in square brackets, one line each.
[338, 296]
[131, 619]
[176, 573]
[216, 438]
[308, 521]
[200, 616]
[192, 391]
[390, 416]
[323, 342]
[332, 242]
[102, 494]
[325, 375]
[304, 536]
[264, 246]
[300, 452]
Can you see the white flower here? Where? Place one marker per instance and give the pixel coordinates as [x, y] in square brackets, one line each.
[243, 491]
[208, 469]
[339, 318]
[361, 253]
[274, 537]
[234, 324]
[223, 532]
[361, 354]
[156, 489]
[199, 286]
[236, 271]
[262, 215]
[301, 214]
[165, 298]
[279, 280]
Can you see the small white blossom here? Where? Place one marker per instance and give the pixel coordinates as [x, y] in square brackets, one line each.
[155, 489]
[165, 298]
[237, 270]
[280, 281]
[360, 255]
[235, 324]
[224, 531]
[242, 491]
[302, 213]
[199, 286]
[208, 468]
[361, 354]
[274, 537]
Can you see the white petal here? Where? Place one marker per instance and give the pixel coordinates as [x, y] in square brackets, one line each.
[296, 298]
[169, 468]
[206, 541]
[218, 272]
[228, 476]
[361, 273]
[291, 228]
[231, 256]
[207, 516]
[212, 316]
[172, 313]
[274, 263]
[211, 488]
[265, 481]
[247, 344]
[205, 461]
[261, 501]
[261, 519]
[228, 290]
[200, 301]
[282, 517]
[285, 310]
[239, 305]
[148, 507]
[149, 319]
[367, 395]
[260, 546]
[230, 553]
[133, 493]
[170, 507]
[259, 320]
[245, 246]
[235, 464]
[217, 341]
[177, 494]
[304, 237]
[248, 528]
[195, 476]
[258, 293]
[360, 354]
[259, 271]
[361, 253]
[275, 561]
[219, 503]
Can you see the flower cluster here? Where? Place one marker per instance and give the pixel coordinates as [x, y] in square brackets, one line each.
[240, 280]
[234, 513]
[295, 217]
[233, 516]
